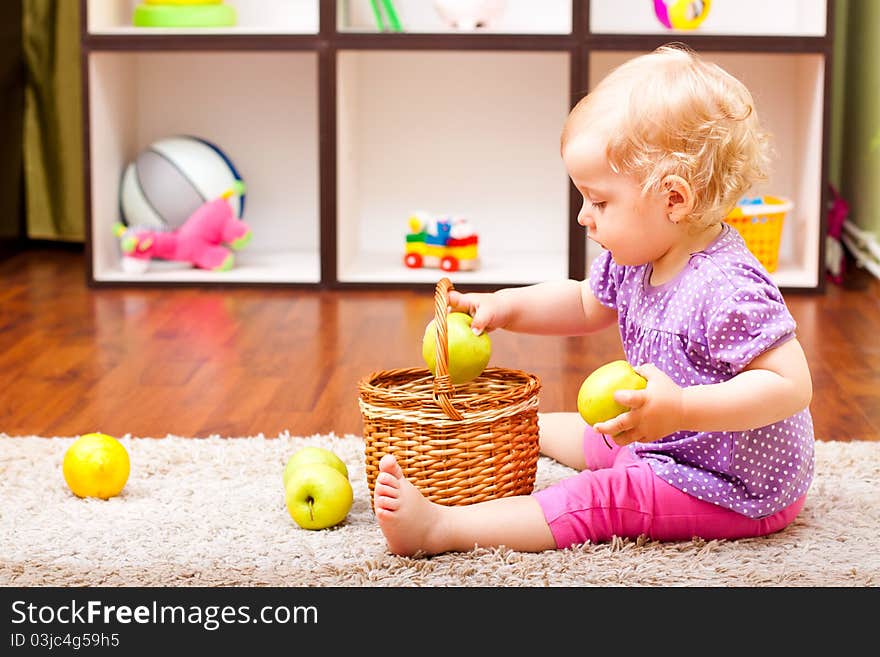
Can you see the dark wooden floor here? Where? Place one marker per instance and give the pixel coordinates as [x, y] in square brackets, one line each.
[243, 361]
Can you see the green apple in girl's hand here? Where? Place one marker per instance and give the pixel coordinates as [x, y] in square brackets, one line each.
[468, 353]
[595, 400]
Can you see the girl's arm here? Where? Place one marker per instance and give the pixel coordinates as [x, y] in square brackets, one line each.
[551, 308]
[774, 386]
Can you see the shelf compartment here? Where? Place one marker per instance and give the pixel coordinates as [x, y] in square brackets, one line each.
[452, 133]
[742, 17]
[259, 108]
[419, 16]
[788, 90]
[253, 17]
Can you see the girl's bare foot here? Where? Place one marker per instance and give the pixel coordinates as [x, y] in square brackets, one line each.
[408, 520]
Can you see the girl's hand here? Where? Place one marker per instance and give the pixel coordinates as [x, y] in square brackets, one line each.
[487, 309]
[654, 412]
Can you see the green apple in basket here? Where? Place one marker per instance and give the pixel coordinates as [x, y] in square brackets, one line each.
[468, 353]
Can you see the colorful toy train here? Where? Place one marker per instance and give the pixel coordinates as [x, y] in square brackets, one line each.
[449, 243]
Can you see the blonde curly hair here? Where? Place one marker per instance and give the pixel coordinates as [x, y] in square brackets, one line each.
[670, 112]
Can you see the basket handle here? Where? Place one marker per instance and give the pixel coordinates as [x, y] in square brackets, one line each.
[444, 391]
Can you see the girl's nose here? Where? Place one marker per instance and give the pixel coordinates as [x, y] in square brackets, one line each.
[586, 220]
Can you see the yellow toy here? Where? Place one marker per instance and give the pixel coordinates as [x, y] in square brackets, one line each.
[681, 14]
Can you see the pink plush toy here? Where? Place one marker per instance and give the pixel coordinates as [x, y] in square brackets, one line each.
[205, 239]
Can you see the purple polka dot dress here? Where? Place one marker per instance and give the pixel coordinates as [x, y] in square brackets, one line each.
[705, 326]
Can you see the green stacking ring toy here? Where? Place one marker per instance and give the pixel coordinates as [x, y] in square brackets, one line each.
[183, 2]
[200, 15]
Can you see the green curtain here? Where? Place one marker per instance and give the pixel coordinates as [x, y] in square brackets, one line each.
[11, 111]
[855, 156]
[53, 150]
[860, 166]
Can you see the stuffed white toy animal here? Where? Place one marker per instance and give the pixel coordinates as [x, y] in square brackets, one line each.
[469, 15]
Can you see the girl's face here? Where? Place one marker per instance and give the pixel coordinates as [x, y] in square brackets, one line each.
[634, 227]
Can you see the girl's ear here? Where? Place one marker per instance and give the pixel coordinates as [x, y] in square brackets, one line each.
[679, 198]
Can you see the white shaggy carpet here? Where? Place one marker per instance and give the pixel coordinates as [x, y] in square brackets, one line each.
[210, 512]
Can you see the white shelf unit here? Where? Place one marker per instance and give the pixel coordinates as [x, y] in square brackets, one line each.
[443, 132]
[342, 132]
[788, 89]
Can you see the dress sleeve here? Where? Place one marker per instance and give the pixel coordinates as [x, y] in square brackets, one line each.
[748, 323]
[604, 279]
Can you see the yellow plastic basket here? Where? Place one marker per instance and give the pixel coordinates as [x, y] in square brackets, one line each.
[759, 221]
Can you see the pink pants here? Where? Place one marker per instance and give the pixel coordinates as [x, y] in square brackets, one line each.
[619, 495]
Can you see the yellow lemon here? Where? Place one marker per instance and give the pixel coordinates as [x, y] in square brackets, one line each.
[96, 465]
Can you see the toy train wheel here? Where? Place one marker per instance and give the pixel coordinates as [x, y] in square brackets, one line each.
[448, 263]
[412, 260]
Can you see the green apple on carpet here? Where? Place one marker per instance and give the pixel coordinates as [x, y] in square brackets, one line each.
[317, 491]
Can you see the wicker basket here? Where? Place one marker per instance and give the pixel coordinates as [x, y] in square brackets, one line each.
[457, 444]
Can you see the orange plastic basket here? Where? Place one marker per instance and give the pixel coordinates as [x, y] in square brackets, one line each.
[457, 444]
[759, 221]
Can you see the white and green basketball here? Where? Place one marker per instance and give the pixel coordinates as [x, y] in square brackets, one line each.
[171, 179]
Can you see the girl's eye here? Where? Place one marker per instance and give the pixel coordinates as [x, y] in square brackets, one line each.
[598, 205]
